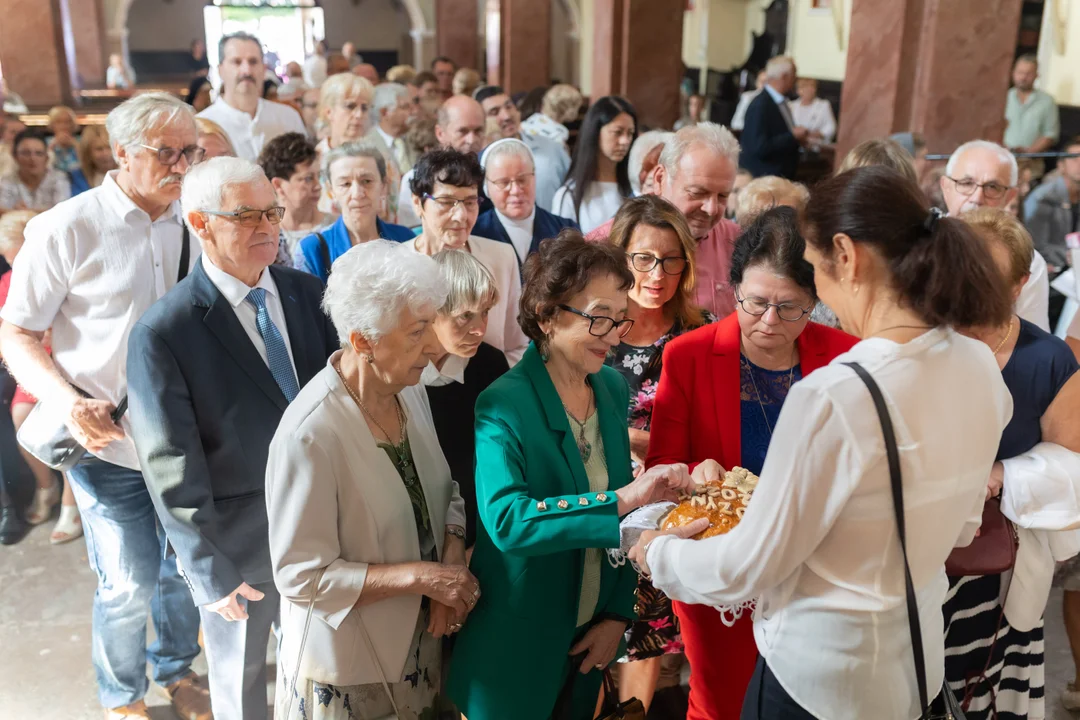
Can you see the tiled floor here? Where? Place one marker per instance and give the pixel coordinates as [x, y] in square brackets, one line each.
[45, 671]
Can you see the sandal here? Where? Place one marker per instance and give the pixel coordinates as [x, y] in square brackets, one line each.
[68, 527]
[41, 509]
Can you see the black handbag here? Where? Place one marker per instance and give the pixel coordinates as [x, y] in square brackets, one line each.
[946, 706]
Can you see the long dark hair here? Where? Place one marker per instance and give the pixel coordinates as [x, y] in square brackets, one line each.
[938, 266]
[583, 165]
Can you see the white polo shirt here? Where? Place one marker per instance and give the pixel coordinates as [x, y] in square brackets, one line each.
[249, 134]
[89, 269]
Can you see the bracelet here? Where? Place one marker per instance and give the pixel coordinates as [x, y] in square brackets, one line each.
[456, 530]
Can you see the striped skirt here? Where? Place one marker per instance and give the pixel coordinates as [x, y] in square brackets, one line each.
[1015, 676]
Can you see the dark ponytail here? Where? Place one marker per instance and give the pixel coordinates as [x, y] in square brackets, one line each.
[939, 266]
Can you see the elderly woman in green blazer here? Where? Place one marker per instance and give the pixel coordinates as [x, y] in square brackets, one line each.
[553, 479]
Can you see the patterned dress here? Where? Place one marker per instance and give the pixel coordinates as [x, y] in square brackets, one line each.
[656, 631]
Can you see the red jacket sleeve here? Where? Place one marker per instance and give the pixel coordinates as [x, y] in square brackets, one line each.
[669, 438]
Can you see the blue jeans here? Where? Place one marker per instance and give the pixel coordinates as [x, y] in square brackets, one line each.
[125, 545]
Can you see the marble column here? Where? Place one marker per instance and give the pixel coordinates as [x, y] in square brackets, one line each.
[637, 53]
[33, 53]
[937, 67]
[88, 31]
[525, 60]
[456, 37]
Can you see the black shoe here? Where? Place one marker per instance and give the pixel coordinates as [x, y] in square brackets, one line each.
[12, 527]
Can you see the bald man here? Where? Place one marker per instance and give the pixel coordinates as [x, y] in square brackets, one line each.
[367, 71]
[459, 124]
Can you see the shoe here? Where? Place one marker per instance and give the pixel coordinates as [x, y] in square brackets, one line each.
[190, 698]
[1070, 697]
[136, 709]
[68, 527]
[12, 527]
[41, 509]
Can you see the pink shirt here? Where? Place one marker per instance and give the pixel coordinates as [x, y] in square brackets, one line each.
[713, 291]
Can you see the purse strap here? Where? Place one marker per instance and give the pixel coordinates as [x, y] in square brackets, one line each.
[893, 456]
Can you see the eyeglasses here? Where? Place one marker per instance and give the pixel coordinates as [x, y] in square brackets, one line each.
[449, 204]
[645, 262]
[991, 190]
[521, 181]
[32, 154]
[251, 218]
[788, 312]
[601, 325]
[168, 156]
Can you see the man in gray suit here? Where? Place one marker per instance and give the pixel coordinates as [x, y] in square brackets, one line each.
[211, 368]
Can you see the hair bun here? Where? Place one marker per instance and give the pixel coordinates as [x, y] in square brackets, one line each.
[930, 224]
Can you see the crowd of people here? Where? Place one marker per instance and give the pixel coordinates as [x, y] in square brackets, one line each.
[376, 367]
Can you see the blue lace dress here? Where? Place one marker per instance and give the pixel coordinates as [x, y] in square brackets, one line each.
[761, 395]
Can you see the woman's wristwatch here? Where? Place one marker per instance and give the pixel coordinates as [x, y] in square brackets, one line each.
[457, 531]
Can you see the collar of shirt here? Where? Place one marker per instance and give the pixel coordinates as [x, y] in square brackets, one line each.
[125, 207]
[525, 225]
[238, 115]
[235, 291]
[387, 137]
[775, 95]
[453, 370]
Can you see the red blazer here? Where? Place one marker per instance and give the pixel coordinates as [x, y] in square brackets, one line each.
[696, 413]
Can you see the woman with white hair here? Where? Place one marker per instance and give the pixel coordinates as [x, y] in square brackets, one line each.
[645, 146]
[367, 527]
[561, 104]
[510, 182]
[344, 105]
[766, 193]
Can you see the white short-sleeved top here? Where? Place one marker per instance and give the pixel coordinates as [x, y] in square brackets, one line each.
[600, 203]
[89, 269]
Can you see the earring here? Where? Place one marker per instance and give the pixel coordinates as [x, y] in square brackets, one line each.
[370, 359]
[855, 288]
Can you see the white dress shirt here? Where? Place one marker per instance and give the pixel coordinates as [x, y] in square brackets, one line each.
[250, 134]
[600, 203]
[453, 371]
[235, 293]
[520, 232]
[89, 269]
[1034, 302]
[816, 117]
[818, 546]
[503, 331]
[739, 119]
[406, 215]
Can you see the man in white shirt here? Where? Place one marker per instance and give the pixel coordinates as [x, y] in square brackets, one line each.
[459, 124]
[393, 107]
[248, 120]
[315, 66]
[211, 368]
[984, 174]
[552, 159]
[90, 267]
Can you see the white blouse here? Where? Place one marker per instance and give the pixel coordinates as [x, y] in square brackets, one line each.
[600, 203]
[818, 545]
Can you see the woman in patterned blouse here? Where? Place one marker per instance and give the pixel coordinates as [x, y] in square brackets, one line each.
[660, 251]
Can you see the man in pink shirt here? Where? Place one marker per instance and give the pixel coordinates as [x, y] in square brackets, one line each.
[696, 173]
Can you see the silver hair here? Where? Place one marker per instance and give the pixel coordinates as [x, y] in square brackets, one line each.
[715, 137]
[387, 95]
[779, 66]
[205, 184]
[374, 281]
[645, 142]
[471, 286]
[357, 148]
[507, 147]
[133, 120]
[1004, 157]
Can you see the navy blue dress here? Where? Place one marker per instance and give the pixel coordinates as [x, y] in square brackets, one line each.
[757, 419]
[1039, 367]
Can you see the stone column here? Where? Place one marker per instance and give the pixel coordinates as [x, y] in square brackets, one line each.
[423, 50]
[88, 30]
[33, 53]
[938, 67]
[637, 53]
[456, 37]
[525, 45]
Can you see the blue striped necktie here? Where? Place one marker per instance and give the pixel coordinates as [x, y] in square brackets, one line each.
[277, 355]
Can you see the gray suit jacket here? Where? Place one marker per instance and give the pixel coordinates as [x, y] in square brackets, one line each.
[204, 408]
[1048, 216]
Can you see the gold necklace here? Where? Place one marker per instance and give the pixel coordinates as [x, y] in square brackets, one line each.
[398, 447]
[1008, 334]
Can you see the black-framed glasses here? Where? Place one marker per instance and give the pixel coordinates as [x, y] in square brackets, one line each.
[447, 204]
[169, 156]
[251, 218]
[645, 262]
[991, 190]
[788, 312]
[505, 184]
[601, 325]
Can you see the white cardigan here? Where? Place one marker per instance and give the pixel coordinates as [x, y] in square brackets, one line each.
[335, 501]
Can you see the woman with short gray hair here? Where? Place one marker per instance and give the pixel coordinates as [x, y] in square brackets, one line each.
[354, 178]
[367, 526]
[464, 368]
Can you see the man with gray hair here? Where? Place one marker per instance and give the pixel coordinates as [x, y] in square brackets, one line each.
[770, 139]
[984, 174]
[211, 368]
[90, 267]
[393, 110]
[696, 174]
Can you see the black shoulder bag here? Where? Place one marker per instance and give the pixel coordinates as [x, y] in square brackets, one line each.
[945, 706]
[44, 434]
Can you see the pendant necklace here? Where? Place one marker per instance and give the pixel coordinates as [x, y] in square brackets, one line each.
[757, 393]
[399, 448]
[584, 446]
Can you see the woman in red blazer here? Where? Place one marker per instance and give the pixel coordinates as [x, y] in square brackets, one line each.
[719, 396]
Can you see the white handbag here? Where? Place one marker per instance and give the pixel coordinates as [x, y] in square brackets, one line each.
[290, 690]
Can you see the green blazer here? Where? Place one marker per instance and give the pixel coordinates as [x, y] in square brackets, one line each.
[537, 517]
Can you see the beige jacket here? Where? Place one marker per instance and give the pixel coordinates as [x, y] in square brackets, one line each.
[335, 501]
